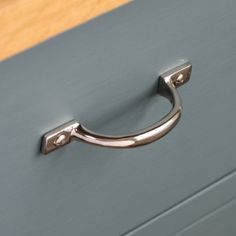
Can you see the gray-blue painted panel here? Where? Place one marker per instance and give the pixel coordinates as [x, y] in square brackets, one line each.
[104, 74]
[218, 223]
[190, 211]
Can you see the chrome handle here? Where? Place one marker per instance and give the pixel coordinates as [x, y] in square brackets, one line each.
[167, 84]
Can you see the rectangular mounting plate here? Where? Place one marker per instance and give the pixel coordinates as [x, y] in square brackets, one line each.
[58, 137]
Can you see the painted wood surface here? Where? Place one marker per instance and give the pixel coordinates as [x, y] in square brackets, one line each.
[219, 222]
[104, 74]
[25, 23]
[193, 211]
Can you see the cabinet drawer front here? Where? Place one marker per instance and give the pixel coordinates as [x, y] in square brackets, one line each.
[196, 210]
[219, 222]
[104, 74]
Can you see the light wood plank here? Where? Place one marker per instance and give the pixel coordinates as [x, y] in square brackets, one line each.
[25, 23]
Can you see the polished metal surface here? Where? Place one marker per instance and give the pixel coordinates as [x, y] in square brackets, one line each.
[167, 84]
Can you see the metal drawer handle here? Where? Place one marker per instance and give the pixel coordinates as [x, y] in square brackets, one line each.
[167, 84]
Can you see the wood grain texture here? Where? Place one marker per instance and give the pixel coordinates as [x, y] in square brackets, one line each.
[25, 23]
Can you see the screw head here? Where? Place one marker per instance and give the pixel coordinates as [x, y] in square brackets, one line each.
[60, 140]
[180, 78]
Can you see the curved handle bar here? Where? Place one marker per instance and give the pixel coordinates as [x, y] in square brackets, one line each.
[167, 84]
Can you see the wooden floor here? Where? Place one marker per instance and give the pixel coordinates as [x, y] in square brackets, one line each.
[25, 23]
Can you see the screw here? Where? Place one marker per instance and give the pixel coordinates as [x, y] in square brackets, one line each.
[180, 79]
[60, 140]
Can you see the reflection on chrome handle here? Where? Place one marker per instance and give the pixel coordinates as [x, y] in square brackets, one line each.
[167, 84]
